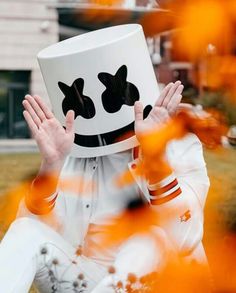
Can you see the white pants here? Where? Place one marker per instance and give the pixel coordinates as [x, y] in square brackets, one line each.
[33, 252]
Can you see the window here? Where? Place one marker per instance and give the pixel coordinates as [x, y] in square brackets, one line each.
[13, 87]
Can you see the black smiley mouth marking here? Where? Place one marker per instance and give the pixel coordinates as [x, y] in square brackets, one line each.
[75, 99]
[104, 138]
[108, 138]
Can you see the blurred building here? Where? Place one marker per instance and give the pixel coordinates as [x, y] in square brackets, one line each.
[26, 26]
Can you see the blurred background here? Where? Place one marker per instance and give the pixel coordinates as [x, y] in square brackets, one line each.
[194, 41]
[193, 55]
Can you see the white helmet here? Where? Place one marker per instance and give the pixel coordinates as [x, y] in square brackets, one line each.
[100, 75]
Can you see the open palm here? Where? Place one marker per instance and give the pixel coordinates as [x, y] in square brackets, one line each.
[54, 142]
[166, 106]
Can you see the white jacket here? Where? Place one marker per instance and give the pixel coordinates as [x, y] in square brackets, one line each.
[180, 217]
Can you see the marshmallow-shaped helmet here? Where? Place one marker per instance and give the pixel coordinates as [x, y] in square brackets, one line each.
[100, 75]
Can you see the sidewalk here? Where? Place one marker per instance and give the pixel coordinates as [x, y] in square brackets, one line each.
[18, 146]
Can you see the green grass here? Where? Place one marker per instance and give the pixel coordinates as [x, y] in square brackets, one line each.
[15, 168]
[221, 167]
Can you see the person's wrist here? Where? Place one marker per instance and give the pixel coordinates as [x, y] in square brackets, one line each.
[52, 165]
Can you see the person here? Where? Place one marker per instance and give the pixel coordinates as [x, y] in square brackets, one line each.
[65, 256]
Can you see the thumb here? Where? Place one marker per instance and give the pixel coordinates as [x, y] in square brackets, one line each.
[70, 117]
[138, 111]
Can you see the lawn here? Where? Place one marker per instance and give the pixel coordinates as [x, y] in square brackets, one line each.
[15, 168]
[222, 195]
[221, 200]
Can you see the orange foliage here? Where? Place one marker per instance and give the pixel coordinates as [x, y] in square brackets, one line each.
[181, 277]
[202, 23]
[157, 22]
[102, 11]
[107, 2]
[222, 257]
[220, 72]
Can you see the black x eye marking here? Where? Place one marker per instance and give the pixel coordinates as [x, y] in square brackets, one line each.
[118, 90]
[76, 100]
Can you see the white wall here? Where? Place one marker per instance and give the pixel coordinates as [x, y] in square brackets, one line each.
[26, 27]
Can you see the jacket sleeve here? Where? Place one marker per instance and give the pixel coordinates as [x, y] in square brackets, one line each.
[186, 159]
[179, 199]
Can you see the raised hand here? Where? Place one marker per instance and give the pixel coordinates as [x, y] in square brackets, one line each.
[54, 142]
[166, 105]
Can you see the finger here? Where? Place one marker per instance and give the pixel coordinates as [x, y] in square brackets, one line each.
[163, 94]
[174, 100]
[138, 111]
[31, 112]
[70, 117]
[170, 94]
[47, 112]
[36, 107]
[173, 105]
[32, 126]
